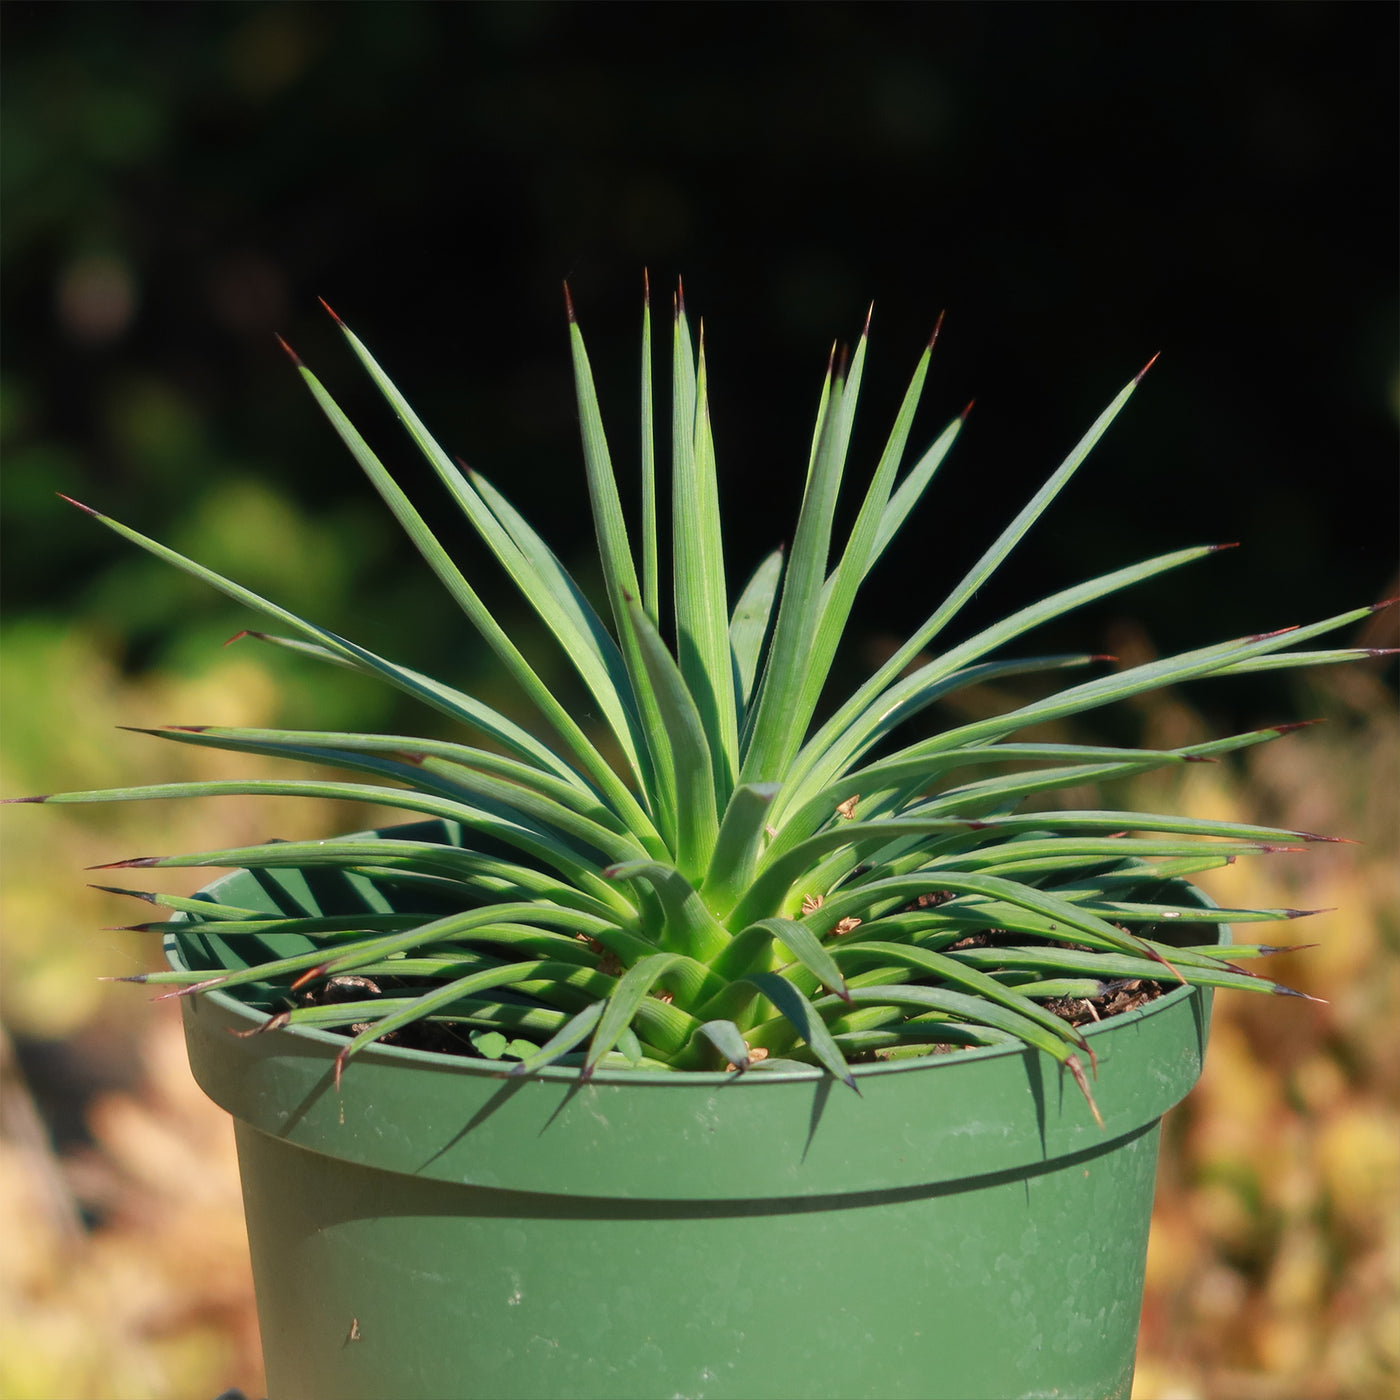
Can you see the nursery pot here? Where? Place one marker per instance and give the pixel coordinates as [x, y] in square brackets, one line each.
[960, 1228]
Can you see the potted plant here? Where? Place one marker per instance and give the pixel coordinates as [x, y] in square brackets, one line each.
[720, 1050]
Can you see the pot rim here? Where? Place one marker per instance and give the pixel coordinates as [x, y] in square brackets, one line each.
[568, 1074]
[464, 1120]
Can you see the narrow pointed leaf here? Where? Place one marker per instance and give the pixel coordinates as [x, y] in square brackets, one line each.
[806, 948]
[333, 647]
[752, 622]
[774, 733]
[726, 1038]
[884, 701]
[651, 572]
[690, 927]
[839, 590]
[799, 1013]
[702, 609]
[910, 491]
[738, 845]
[964, 977]
[691, 759]
[574, 1032]
[456, 584]
[623, 1003]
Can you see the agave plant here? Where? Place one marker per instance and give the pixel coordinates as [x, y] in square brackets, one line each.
[739, 885]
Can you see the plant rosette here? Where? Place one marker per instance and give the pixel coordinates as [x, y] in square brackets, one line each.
[638, 991]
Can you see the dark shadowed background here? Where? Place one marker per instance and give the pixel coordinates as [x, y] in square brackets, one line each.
[1079, 186]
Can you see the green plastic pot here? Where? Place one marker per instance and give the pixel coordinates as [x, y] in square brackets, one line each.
[961, 1228]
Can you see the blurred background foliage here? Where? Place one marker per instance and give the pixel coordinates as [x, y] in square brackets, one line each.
[1079, 186]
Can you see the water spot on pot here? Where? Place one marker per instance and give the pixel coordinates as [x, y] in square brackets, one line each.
[708, 1116]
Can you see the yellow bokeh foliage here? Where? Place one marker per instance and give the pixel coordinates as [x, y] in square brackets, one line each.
[1274, 1266]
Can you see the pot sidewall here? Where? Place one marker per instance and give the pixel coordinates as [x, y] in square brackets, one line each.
[961, 1228]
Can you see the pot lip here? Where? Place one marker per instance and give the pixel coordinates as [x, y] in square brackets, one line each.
[435, 1060]
[432, 1059]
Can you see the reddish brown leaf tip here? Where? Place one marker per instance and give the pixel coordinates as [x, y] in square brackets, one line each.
[962, 417]
[646, 288]
[865, 329]
[1304, 913]
[1077, 1070]
[135, 863]
[569, 305]
[1216, 548]
[310, 975]
[1102, 656]
[135, 977]
[291, 354]
[1277, 632]
[238, 637]
[1289, 728]
[680, 296]
[1269, 948]
[1243, 971]
[1200, 758]
[1375, 607]
[330, 312]
[88, 509]
[1139, 376]
[1313, 836]
[194, 988]
[937, 326]
[1279, 990]
[1382, 651]
[271, 1024]
[340, 1062]
[43, 797]
[1158, 957]
[116, 889]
